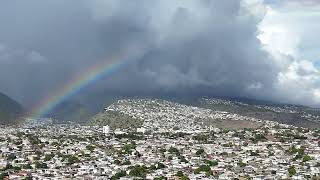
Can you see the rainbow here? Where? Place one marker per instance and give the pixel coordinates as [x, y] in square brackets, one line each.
[107, 67]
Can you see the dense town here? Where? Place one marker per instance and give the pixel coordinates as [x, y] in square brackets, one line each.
[69, 151]
[168, 150]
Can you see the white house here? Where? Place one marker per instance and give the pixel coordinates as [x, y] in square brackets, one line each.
[106, 129]
[141, 130]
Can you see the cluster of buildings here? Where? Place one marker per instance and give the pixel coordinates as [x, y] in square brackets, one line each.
[74, 151]
[307, 113]
[172, 143]
[277, 109]
[161, 115]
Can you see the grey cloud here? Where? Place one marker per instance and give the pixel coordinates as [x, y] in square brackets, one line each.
[204, 47]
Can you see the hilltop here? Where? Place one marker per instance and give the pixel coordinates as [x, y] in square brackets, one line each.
[156, 114]
[204, 113]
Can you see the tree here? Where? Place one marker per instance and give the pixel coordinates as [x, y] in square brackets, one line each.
[117, 161]
[183, 159]
[36, 158]
[184, 178]
[292, 171]
[160, 178]
[153, 167]
[26, 166]
[211, 163]
[3, 176]
[118, 175]
[160, 165]
[138, 171]
[16, 168]
[90, 147]
[200, 152]
[41, 165]
[73, 159]
[11, 157]
[179, 174]
[306, 158]
[174, 150]
[242, 164]
[203, 168]
[48, 157]
[126, 162]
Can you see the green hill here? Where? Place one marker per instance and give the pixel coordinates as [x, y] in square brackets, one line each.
[10, 110]
[115, 120]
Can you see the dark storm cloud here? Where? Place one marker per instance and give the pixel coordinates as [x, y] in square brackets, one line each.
[207, 44]
[61, 32]
[206, 47]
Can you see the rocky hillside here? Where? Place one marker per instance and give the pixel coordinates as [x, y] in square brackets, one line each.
[296, 115]
[155, 114]
[115, 120]
[10, 110]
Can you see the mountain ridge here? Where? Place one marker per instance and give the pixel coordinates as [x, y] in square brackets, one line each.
[10, 110]
[300, 116]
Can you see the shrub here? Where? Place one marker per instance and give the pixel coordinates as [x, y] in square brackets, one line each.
[292, 171]
[138, 171]
[118, 175]
[200, 152]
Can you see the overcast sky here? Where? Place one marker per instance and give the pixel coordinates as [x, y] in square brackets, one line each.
[253, 48]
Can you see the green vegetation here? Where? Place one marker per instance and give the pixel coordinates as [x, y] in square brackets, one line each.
[26, 166]
[160, 165]
[3, 175]
[11, 157]
[292, 171]
[173, 150]
[211, 163]
[33, 139]
[115, 120]
[138, 171]
[40, 165]
[306, 158]
[294, 150]
[90, 147]
[242, 164]
[183, 159]
[204, 168]
[179, 174]
[127, 149]
[118, 175]
[201, 137]
[160, 178]
[184, 178]
[73, 159]
[48, 157]
[200, 152]
[157, 166]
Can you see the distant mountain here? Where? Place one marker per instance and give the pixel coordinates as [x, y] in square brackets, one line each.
[136, 112]
[161, 114]
[71, 111]
[91, 103]
[10, 110]
[297, 115]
